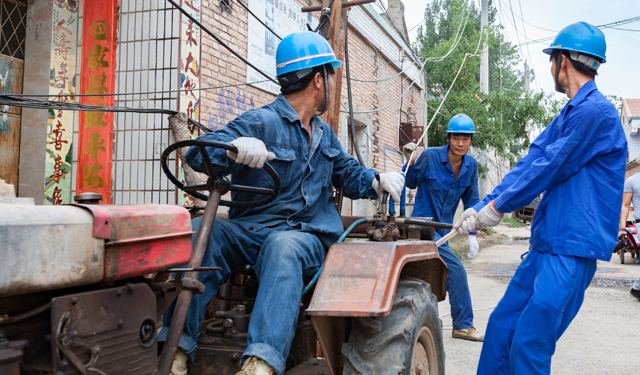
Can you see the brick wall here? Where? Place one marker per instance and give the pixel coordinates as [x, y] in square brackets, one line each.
[220, 67]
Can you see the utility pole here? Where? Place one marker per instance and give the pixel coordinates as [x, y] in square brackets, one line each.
[333, 31]
[528, 74]
[484, 67]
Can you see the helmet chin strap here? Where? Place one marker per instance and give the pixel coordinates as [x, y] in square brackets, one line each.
[326, 90]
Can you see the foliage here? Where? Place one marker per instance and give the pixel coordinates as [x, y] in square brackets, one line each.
[515, 223]
[504, 115]
[488, 230]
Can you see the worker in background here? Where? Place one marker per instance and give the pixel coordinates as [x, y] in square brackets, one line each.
[579, 162]
[444, 176]
[285, 240]
[631, 193]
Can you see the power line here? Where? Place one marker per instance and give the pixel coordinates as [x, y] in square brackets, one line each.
[431, 59]
[242, 4]
[217, 38]
[135, 93]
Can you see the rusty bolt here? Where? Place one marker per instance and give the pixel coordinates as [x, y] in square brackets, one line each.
[120, 323]
[119, 292]
[74, 300]
[326, 10]
[235, 357]
[130, 288]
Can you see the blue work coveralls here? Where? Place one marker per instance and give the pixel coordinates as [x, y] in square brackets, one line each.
[579, 162]
[286, 239]
[438, 196]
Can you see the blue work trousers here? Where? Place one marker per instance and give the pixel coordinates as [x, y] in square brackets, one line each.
[281, 257]
[542, 299]
[457, 287]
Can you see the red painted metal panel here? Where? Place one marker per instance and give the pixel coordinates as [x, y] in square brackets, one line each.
[143, 238]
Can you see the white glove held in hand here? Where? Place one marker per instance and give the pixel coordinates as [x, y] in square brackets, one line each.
[251, 152]
[391, 182]
[473, 246]
[408, 149]
[488, 217]
[470, 214]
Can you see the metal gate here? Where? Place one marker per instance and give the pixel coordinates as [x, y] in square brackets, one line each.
[146, 63]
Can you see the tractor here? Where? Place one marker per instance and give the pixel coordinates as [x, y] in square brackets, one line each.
[85, 285]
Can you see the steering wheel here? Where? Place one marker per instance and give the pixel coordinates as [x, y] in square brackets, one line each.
[216, 181]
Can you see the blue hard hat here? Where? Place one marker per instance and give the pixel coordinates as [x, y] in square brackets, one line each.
[580, 37]
[301, 50]
[461, 123]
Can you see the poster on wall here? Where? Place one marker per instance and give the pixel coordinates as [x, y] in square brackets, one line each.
[62, 87]
[97, 76]
[282, 16]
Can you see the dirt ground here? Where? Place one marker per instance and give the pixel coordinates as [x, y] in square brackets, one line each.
[604, 337]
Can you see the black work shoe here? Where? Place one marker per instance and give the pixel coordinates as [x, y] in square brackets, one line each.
[635, 293]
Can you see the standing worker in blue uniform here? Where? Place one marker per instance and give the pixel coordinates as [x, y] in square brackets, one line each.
[443, 176]
[285, 240]
[579, 162]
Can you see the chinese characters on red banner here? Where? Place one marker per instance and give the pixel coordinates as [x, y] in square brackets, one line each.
[98, 79]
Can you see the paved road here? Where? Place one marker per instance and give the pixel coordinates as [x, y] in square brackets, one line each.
[604, 338]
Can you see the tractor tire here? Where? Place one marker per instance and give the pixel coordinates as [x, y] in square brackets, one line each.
[408, 341]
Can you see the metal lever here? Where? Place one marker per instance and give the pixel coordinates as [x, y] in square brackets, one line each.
[446, 238]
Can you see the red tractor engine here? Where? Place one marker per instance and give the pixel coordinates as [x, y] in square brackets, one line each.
[77, 293]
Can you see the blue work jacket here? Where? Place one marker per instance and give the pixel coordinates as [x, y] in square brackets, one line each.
[579, 162]
[307, 171]
[439, 192]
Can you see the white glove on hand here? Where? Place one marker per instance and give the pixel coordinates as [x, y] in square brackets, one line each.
[408, 149]
[488, 217]
[473, 246]
[470, 214]
[391, 182]
[251, 152]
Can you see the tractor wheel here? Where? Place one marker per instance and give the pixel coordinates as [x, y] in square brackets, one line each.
[408, 341]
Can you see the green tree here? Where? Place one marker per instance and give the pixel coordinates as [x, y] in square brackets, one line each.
[502, 116]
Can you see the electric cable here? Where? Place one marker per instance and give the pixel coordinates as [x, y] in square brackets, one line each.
[137, 93]
[10, 100]
[423, 66]
[350, 98]
[242, 4]
[217, 38]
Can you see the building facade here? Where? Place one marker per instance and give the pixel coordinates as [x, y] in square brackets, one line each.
[162, 60]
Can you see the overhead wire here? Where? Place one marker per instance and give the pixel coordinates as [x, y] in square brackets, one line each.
[245, 6]
[137, 93]
[219, 40]
[475, 53]
[457, 39]
[351, 120]
[437, 59]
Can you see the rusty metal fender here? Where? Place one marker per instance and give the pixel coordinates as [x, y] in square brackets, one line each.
[360, 279]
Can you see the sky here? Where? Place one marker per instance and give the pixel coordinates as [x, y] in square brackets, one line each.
[619, 76]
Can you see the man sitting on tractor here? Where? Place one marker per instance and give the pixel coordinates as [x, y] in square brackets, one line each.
[285, 240]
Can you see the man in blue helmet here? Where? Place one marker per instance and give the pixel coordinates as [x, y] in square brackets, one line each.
[284, 240]
[578, 162]
[443, 176]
